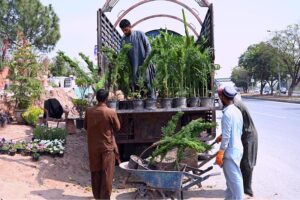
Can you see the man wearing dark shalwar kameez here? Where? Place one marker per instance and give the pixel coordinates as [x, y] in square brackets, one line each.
[250, 145]
[101, 122]
[141, 48]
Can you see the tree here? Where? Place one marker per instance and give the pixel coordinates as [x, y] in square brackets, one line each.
[288, 43]
[24, 74]
[260, 60]
[241, 77]
[38, 23]
[59, 67]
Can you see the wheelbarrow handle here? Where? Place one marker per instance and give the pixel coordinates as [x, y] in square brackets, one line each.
[206, 161]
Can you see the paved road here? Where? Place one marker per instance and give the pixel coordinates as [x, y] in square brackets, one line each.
[277, 174]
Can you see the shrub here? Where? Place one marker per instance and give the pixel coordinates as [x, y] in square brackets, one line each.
[44, 133]
[31, 115]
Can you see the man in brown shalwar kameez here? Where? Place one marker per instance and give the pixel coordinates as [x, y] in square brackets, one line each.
[101, 122]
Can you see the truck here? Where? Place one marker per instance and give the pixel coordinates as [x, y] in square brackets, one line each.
[141, 128]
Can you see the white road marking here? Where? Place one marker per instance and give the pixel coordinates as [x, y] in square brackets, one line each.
[269, 115]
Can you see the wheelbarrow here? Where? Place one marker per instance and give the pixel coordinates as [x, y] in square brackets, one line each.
[166, 183]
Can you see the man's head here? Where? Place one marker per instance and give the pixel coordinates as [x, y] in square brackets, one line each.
[125, 26]
[102, 95]
[227, 95]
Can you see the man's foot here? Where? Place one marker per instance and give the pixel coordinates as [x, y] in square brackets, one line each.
[248, 194]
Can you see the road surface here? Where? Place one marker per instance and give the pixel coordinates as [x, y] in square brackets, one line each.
[277, 174]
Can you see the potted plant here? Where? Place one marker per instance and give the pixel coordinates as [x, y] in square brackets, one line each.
[32, 114]
[186, 138]
[81, 103]
[35, 156]
[24, 70]
[5, 147]
[118, 76]
[20, 147]
[12, 151]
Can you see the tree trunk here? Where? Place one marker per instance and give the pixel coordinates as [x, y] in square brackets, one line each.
[291, 88]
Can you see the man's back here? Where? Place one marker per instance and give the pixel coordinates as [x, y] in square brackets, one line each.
[100, 123]
[232, 123]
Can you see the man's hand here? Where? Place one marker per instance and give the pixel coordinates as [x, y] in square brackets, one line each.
[219, 139]
[219, 159]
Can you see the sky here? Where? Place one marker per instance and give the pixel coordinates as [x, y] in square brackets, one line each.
[237, 23]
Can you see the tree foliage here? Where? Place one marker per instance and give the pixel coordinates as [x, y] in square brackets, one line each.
[288, 43]
[241, 77]
[261, 62]
[24, 73]
[38, 23]
[59, 67]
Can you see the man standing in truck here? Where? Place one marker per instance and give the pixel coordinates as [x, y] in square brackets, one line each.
[141, 49]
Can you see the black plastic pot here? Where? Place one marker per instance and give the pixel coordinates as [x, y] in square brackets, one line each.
[207, 102]
[35, 158]
[12, 153]
[150, 104]
[179, 102]
[25, 153]
[166, 103]
[193, 102]
[138, 104]
[123, 105]
[79, 123]
[112, 104]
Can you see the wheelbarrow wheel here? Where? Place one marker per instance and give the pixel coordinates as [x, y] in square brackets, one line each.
[148, 194]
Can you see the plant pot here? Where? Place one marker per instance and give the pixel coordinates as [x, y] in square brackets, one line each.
[166, 103]
[207, 102]
[129, 105]
[12, 153]
[112, 104]
[35, 158]
[20, 150]
[60, 155]
[79, 123]
[179, 102]
[122, 105]
[193, 102]
[150, 104]
[3, 151]
[25, 153]
[18, 115]
[138, 104]
[136, 162]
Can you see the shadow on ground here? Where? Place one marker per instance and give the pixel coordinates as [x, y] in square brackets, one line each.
[56, 194]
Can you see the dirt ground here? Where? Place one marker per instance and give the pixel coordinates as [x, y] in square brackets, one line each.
[69, 177]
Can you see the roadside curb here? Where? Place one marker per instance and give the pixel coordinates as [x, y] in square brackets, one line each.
[270, 99]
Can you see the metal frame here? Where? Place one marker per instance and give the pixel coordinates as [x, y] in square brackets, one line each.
[165, 15]
[109, 4]
[147, 1]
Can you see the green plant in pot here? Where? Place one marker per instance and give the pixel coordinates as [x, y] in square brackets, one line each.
[12, 151]
[35, 156]
[32, 114]
[80, 105]
[20, 146]
[5, 147]
[185, 139]
[24, 73]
